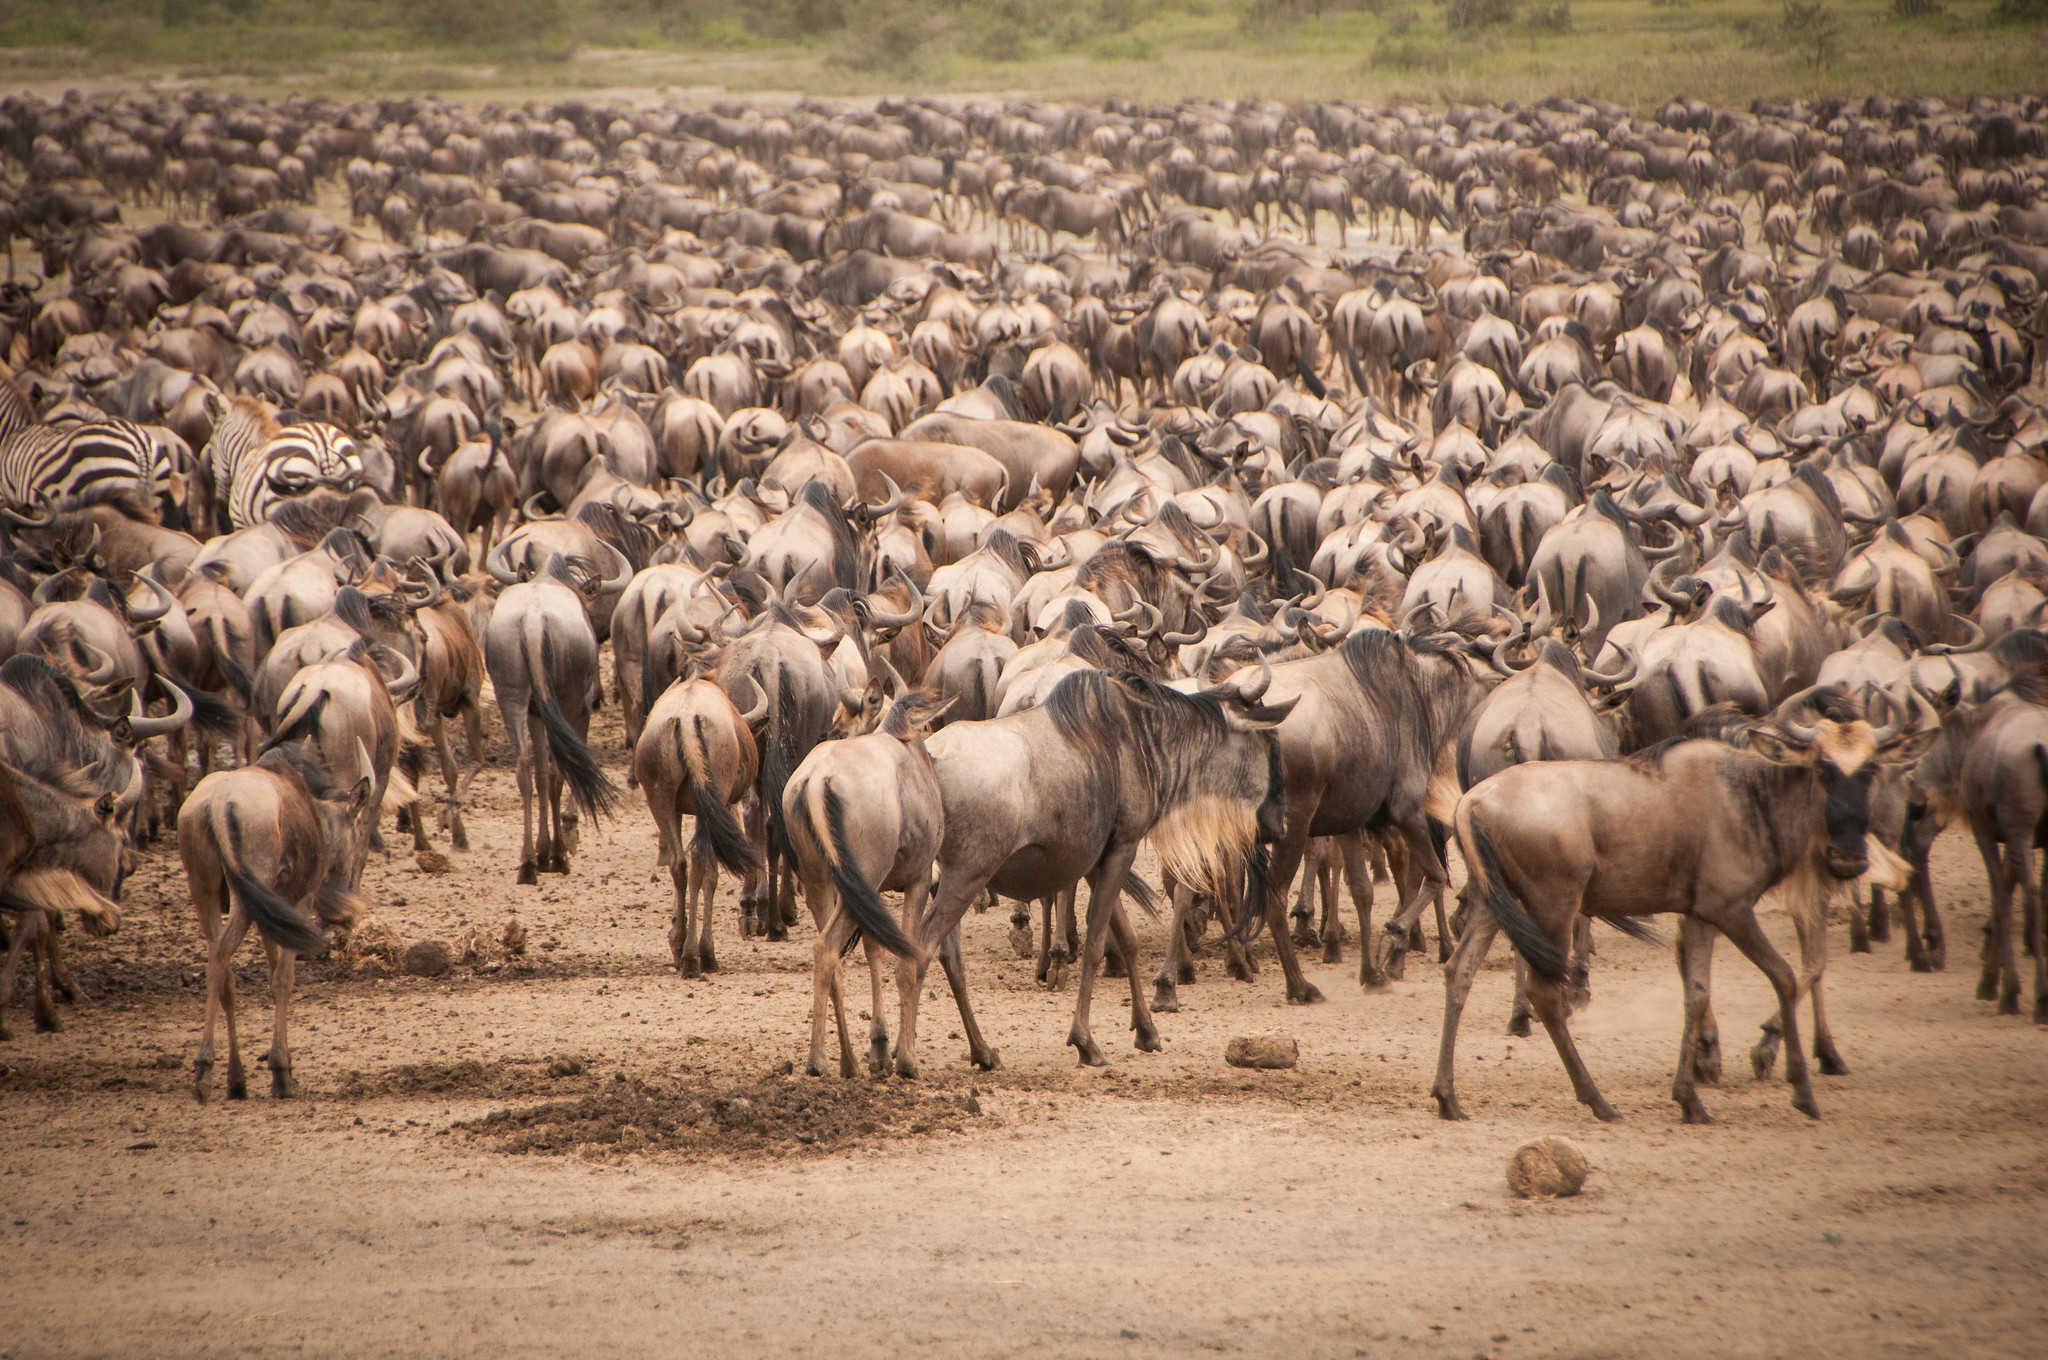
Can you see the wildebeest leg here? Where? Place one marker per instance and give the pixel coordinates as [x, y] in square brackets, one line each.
[1581, 976]
[1066, 938]
[1104, 885]
[1287, 857]
[1999, 966]
[1426, 869]
[1312, 861]
[1458, 975]
[283, 966]
[1547, 998]
[978, 1051]
[1695, 969]
[1331, 925]
[679, 922]
[528, 869]
[1929, 952]
[1813, 962]
[754, 888]
[457, 835]
[61, 981]
[835, 928]
[1141, 1017]
[959, 884]
[562, 819]
[2039, 936]
[220, 1000]
[1045, 924]
[704, 886]
[1745, 934]
[1358, 881]
[1020, 929]
[1519, 1012]
[1165, 995]
[27, 927]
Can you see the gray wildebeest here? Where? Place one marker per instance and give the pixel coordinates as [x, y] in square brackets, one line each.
[542, 656]
[1702, 827]
[1038, 799]
[864, 817]
[270, 840]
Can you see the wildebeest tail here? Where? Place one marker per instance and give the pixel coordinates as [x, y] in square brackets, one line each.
[1357, 372]
[1251, 908]
[863, 903]
[1635, 929]
[1490, 886]
[1309, 377]
[212, 714]
[275, 919]
[718, 834]
[238, 677]
[778, 758]
[577, 762]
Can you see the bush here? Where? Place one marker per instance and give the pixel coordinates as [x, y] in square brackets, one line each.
[1550, 16]
[1399, 24]
[1915, 9]
[1464, 14]
[2020, 12]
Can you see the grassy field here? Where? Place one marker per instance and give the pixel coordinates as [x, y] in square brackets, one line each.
[1634, 52]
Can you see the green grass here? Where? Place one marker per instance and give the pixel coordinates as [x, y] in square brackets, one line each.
[1628, 51]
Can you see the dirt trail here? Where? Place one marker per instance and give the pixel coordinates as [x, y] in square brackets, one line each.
[678, 1191]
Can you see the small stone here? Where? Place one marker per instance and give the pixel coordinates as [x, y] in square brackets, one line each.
[1832, 1237]
[428, 958]
[432, 862]
[1128, 1334]
[1264, 1051]
[566, 1067]
[1546, 1168]
[168, 1062]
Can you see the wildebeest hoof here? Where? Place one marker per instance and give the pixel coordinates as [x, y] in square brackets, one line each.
[1937, 954]
[1112, 966]
[2008, 1004]
[1604, 1112]
[1090, 1055]
[1923, 964]
[1238, 970]
[1448, 1108]
[1706, 1069]
[1397, 964]
[1518, 1025]
[1148, 1041]
[689, 967]
[708, 960]
[238, 1085]
[1803, 1101]
[1310, 995]
[1333, 948]
[2041, 1010]
[1831, 1064]
[1987, 989]
[1020, 941]
[1695, 1113]
[906, 1066]
[1859, 942]
[993, 1062]
[1186, 972]
[1165, 1000]
[461, 839]
[282, 1086]
[1305, 935]
[1763, 1058]
[528, 877]
[5, 1034]
[47, 1022]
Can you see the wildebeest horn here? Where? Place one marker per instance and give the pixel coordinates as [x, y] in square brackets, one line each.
[1658, 554]
[100, 674]
[760, 709]
[1799, 734]
[405, 681]
[48, 588]
[1953, 564]
[891, 502]
[1188, 639]
[1203, 563]
[1252, 693]
[1615, 679]
[139, 614]
[624, 572]
[21, 521]
[142, 728]
[1425, 607]
[499, 564]
[1977, 642]
[1217, 510]
[1315, 593]
[1660, 586]
[1911, 715]
[1258, 559]
[531, 509]
[883, 619]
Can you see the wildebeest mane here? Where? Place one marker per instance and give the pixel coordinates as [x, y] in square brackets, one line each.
[634, 540]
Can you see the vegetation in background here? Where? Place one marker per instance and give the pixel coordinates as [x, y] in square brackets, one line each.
[1635, 52]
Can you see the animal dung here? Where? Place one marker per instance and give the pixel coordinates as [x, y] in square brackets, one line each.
[428, 958]
[513, 937]
[432, 862]
[1547, 1168]
[1264, 1051]
[375, 944]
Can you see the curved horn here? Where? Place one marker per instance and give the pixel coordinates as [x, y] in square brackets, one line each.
[882, 619]
[1977, 642]
[760, 709]
[1188, 639]
[531, 508]
[1800, 734]
[1913, 715]
[1252, 693]
[1316, 591]
[1615, 679]
[141, 615]
[21, 521]
[1658, 554]
[142, 728]
[891, 502]
[499, 563]
[1203, 563]
[1257, 560]
[402, 685]
[43, 592]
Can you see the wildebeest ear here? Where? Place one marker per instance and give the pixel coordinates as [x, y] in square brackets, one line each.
[1774, 747]
[1907, 749]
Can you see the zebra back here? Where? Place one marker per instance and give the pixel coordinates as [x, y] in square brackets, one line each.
[239, 434]
[71, 463]
[16, 413]
[295, 459]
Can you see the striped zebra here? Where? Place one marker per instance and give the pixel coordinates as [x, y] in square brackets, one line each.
[257, 460]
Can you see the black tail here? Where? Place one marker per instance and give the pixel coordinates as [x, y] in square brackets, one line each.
[1528, 938]
[1634, 929]
[717, 833]
[860, 897]
[1307, 371]
[778, 760]
[239, 679]
[577, 762]
[1251, 908]
[1357, 373]
[210, 712]
[275, 919]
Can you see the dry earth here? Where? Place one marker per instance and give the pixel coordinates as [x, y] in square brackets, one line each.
[579, 1152]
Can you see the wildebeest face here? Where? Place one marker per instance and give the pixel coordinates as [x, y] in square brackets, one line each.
[1847, 813]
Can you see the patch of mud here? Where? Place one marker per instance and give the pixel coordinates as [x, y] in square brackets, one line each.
[493, 1080]
[771, 1117]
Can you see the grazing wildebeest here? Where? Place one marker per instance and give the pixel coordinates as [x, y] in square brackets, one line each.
[1701, 827]
[270, 840]
[697, 757]
[865, 817]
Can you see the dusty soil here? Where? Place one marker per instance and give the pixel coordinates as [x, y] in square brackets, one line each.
[576, 1151]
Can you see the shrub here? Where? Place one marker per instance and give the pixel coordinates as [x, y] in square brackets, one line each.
[1464, 14]
[1915, 9]
[1550, 16]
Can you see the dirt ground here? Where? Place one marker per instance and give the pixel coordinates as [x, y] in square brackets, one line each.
[578, 1152]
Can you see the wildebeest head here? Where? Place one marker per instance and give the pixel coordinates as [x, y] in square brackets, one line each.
[1826, 730]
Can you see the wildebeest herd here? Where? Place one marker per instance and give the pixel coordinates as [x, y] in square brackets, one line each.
[973, 494]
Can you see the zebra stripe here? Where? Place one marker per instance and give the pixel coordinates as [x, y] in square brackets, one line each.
[78, 462]
[259, 463]
[16, 414]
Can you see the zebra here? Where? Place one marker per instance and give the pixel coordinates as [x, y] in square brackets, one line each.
[65, 464]
[257, 458]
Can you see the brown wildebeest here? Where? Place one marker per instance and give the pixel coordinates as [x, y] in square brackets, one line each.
[1703, 828]
[696, 757]
[272, 841]
[864, 817]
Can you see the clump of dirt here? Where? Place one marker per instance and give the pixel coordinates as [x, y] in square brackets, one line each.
[772, 1117]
